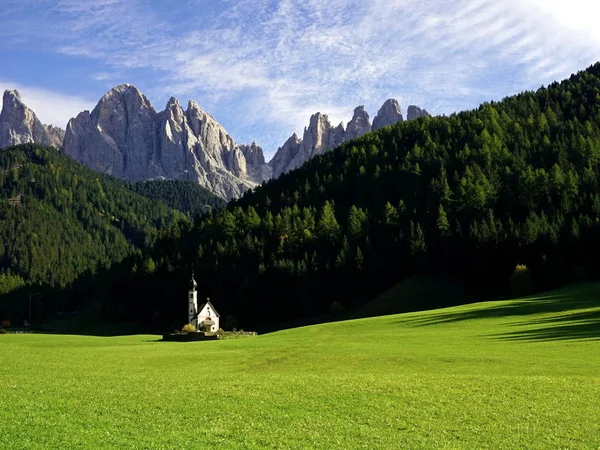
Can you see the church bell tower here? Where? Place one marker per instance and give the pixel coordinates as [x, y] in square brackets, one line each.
[193, 303]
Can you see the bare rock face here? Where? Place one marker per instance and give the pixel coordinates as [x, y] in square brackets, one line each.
[173, 146]
[118, 137]
[414, 112]
[359, 124]
[337, 136]
[389, 114]
[320, 136]
[256, 166]
[288, 152]
[56, 136]
[316, 137]
[19, 124]
[124, 136]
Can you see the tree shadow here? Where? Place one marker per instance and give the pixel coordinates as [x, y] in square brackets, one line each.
[577, 326]
[570, 313]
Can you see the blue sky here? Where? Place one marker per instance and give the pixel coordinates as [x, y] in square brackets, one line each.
[262, 67]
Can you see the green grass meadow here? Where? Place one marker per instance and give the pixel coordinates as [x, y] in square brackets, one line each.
[509, 374]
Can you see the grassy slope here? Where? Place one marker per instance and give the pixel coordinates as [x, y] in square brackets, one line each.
[510, 374]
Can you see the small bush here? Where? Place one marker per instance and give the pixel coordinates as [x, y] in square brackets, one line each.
[189, 328]
[521, 281]
[220, 332]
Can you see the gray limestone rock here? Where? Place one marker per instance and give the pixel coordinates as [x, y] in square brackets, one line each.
[126, 137]
[389, 114]
[280, 163]
[337, 136]
[316, 137]
[19, 124]
[118, 137]
[320, 136]
[56, 136]
[414, 112]
[359, 124]
[258, 169]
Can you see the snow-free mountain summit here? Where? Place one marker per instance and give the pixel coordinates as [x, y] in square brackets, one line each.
[20, 125]
[321, 135]
[126, 137]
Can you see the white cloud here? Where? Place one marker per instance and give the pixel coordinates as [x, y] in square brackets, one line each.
[106, 76]
[52, 108]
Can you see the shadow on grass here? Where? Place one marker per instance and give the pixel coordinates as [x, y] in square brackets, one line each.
[560, 317]
[577, 326]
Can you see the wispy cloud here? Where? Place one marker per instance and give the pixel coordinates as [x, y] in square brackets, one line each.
[52, 108]
[106, 76]
[261, 67]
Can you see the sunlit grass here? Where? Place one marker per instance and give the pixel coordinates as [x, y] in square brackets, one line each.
[513, 374]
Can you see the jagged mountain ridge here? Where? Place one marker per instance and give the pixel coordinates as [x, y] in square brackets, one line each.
[321, 136]
[126, 137]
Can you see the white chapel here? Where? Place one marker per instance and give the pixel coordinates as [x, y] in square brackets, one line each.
[206, 315]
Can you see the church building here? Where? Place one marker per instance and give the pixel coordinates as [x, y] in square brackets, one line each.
[206, 315]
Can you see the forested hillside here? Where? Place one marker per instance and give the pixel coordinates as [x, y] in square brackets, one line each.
[468, 196]
[59, 219]
[186, 196]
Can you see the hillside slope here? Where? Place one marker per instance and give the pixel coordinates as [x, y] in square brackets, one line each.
[59, 219]
[182, 195]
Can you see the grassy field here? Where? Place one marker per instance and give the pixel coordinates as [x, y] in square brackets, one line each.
[511, 374]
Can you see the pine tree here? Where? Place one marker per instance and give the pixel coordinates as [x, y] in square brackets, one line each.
[443, 225]
[359, 259]
[328, 227]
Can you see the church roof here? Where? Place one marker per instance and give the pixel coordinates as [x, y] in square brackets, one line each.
[212, 308]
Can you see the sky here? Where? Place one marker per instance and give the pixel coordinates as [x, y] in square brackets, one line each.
[262, 67]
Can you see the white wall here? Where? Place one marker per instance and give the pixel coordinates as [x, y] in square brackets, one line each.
[208, 311]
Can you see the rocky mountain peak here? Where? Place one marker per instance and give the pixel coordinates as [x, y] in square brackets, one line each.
[18, 123]
[292, 150]
[316, 136]
[128, 94]
[414, 112]
[320, 136]
[11, 98]
[389, 114]
[126, 137]
[173, 103]
[359, 125]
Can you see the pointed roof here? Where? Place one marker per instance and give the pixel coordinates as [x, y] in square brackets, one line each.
[212, 308]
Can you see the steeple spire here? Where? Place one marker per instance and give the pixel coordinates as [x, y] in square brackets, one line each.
[193, 283]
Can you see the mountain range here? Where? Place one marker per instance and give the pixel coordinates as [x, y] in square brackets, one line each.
[125, 136]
